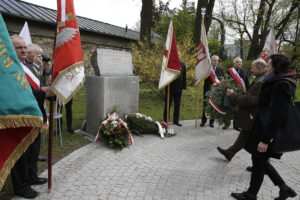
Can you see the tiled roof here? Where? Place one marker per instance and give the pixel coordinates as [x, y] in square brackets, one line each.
[46, 15]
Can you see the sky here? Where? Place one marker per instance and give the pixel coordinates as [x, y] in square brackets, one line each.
[116, 12]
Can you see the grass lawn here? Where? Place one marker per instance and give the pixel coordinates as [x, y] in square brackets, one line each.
[150, 104]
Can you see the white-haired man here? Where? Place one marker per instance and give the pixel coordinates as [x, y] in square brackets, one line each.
[207, 85]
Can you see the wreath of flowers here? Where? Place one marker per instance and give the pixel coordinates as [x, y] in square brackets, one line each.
[218, 104]
[115, 132]
[142, 124]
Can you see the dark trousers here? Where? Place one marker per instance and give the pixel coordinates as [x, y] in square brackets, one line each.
[69, 115]
[204, 118]
[239, 143]
[25, 168]
[261, 165]
[177, 98]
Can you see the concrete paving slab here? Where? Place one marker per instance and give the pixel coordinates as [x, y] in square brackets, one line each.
[183, 167]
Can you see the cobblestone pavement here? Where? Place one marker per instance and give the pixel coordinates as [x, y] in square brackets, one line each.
[183, 167]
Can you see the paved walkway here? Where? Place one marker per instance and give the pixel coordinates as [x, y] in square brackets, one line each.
[184, 167]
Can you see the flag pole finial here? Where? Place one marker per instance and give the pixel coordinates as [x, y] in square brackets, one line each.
[203, 10]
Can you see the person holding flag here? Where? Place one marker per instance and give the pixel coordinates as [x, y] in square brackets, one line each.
[24, 173]
[209, 81]
[171, 69]
[20, 116]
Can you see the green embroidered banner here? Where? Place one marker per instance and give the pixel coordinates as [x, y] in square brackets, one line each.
[20, 116]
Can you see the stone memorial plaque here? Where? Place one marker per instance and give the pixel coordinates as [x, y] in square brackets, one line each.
[114, 62]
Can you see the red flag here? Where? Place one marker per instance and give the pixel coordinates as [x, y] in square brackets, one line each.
[68, 68]
[171, 68]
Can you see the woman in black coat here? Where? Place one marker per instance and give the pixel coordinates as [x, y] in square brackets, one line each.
[276, 93]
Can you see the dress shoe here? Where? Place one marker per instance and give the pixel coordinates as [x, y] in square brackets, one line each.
[177, 123]
[70, 130]
[211, 124]
[28, 194]
[224, 153]
[38, 181]
[42, 158]
[243, 196]
[203, 122]
[249, 168]
[284, 194]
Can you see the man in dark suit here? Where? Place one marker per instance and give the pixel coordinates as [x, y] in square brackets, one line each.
[176, 88]
[247, 108]
[24, 173]
[207, 85]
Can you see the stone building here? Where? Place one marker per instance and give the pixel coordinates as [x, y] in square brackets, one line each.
[42, 25]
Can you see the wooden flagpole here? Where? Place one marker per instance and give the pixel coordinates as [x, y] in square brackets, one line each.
[168, 104]
[51, 125]
[197, 104]
[198, 86]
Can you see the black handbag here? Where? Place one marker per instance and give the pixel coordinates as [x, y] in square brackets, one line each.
[288, 137]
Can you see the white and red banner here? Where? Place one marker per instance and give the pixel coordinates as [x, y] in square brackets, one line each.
[170, 68]
[25, 34]
[270, 47]
[203, 67]
[213, 77]
[31, 78]
[215, 106]
[68, 68]
[236, 77]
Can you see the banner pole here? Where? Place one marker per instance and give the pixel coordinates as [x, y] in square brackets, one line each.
[197, 104]
[168, 104]
[50, 142]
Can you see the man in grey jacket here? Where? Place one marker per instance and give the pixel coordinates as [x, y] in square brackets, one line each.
[247, 108]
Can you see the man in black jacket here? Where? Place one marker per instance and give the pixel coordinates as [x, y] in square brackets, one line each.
[24, 173]
[176, 88]
[207, 85]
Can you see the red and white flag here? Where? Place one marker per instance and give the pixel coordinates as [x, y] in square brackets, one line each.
[236, 77]
[68, 68]
[203, 67]
[170, 68]
[270, 47]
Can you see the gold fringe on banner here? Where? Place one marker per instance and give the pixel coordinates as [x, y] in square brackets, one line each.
[17, 121]
[16, 154]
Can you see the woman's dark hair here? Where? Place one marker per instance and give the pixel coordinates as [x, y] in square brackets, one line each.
[280, 63]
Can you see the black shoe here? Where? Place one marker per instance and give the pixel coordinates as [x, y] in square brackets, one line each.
[203, 122]
[42, 158]
[38, 181]
[211, 123]
[284, 194]
[177, 123]
[243, 196]
[70, 130]
[224, 153]
[249, 168]
[29, 194]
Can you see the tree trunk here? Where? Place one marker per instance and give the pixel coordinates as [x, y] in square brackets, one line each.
[222, 52]
[255, 43]
[241, 46]
[146, 20]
